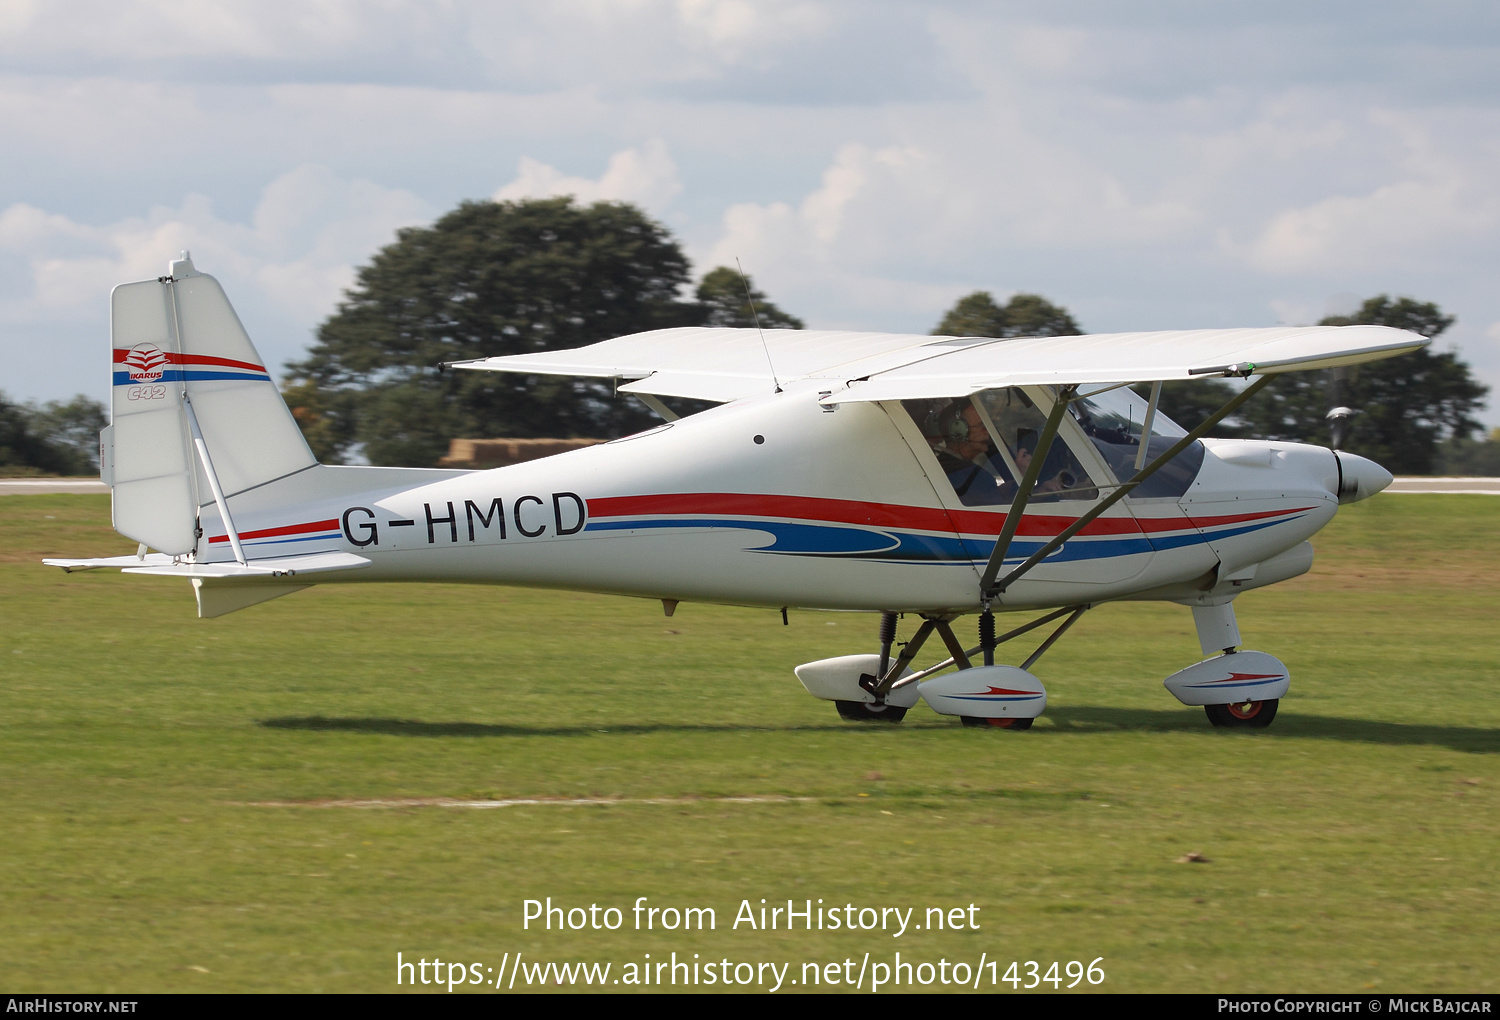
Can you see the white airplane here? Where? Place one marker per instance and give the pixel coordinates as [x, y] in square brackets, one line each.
[897, 474]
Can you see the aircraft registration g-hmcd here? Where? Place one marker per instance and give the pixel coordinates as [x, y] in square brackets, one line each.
[934, 476]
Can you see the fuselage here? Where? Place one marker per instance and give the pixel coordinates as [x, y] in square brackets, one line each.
[780, 501]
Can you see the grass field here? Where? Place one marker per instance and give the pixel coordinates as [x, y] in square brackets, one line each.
[164, 781]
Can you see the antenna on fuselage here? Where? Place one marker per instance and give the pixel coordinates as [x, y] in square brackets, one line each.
[754, 315]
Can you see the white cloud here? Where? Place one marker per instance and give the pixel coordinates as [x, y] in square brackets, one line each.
[1392, 225]
[141, 31]
[645, 176]
[305, 235]
[284, 270]
[1445, 200]
[958, 208]
[732, 27]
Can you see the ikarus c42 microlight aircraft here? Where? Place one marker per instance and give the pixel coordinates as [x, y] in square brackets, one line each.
[934, 476]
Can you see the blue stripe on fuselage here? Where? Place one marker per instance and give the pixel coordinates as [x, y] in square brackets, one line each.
[832, 540]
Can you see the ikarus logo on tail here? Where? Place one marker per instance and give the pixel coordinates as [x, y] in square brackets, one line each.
[145, 363]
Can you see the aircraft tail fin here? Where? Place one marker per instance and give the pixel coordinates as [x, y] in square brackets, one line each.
[195, 416]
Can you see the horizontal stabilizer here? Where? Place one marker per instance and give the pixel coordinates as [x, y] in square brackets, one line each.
[164, 565]
[149, 560]
[280, 567]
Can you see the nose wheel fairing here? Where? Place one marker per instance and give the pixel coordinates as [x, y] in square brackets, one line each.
[1229, 679]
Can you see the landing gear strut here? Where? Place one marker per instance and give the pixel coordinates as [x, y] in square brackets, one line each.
[882, 687]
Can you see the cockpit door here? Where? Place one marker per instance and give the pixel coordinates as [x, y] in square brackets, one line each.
[974, 449]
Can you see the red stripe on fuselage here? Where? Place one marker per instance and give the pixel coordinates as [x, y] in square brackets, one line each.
[290, 529]
[885, 515]
[888, 515]
[1213, 522]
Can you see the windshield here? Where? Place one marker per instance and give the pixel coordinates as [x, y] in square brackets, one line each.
[962, 432]
[1113, 421]
[1121, 412]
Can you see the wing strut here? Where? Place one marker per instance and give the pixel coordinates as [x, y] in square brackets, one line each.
[1140, 454]
[989, 588]
[1023, 490]
[655, 404]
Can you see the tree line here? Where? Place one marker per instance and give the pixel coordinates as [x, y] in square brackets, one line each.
[501, 278]
[492, 279]
[60, 437]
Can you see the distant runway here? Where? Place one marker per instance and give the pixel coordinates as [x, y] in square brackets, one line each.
[1481, 486]
[1469, 486]
[42, 486]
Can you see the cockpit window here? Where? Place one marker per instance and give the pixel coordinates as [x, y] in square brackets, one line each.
[1113, 421]
[982, 472]
[979, 473]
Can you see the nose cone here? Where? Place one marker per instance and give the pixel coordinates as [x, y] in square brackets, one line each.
[1360, 477]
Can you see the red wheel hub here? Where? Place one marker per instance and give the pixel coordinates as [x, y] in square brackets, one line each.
[1245, 709]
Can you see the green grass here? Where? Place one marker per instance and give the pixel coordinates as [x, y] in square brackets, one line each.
[1350, 847]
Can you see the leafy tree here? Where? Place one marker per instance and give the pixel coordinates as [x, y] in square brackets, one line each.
[22, 450]
[317, 413]
[72, 427]
[1023, 315]
[722, 297]
[487, 279]
[59, 438]
[1406, 405]
[1189, 402]
[1470, 457]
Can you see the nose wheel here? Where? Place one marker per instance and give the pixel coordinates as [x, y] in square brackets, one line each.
[1243, 714]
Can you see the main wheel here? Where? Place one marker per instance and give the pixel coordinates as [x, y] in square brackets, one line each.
[1243, 714]
[860, 711]
[998, 724]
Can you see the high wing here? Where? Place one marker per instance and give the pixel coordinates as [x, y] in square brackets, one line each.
[725, 364]
[714, 363]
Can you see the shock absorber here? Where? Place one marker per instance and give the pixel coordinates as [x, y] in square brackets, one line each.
[887, 638]
[987, 635]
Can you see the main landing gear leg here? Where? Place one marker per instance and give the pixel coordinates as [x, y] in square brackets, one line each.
[880, 711]
[987, 645]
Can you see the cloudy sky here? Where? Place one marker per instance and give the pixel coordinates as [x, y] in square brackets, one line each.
[1149, 165]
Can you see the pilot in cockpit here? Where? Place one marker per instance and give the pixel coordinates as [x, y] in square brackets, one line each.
[969, 458]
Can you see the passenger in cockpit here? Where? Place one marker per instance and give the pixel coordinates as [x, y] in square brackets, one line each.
[1059, 479]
